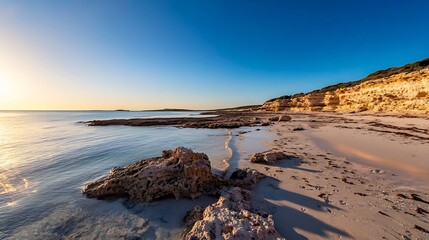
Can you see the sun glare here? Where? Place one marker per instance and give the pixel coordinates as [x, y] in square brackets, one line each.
[5, 90]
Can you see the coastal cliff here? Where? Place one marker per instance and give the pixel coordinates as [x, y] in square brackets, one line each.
[401, 90]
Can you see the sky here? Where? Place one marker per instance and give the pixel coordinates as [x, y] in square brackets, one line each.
[86, 55]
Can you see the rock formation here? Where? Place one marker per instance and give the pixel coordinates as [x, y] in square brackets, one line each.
[268, 157]
[284, 118]
[179, 173]
[281, 118]
[245, 178]
[403, 90]
[230, 218]
[183, 173]
[223, 119]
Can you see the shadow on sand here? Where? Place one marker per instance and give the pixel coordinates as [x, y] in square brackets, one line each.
[269, 196]
[274, 200]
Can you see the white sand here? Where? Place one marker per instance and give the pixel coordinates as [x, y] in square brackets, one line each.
[329, 191]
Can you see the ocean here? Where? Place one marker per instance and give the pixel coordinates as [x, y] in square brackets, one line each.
[47, 156]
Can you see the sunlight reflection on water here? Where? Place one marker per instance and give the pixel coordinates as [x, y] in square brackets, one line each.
[45, 157]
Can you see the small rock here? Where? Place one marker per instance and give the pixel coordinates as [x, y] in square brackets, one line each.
[268, 157]
[401, 195]
[344, 179]
[245, 178]
[243, 132]
[361, 194]
[284, 118]
[378, 171]
[324, 196]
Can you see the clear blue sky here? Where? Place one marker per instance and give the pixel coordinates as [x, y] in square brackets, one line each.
[197, 54]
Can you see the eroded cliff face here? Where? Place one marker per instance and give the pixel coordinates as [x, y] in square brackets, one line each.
[402, 93]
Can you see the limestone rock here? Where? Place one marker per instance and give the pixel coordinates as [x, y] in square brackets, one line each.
[245, 178]
[230, 218]
[179, 173]
[284, 118]
[193, 216]
[268, 157]
[183, 173]
[405, 92]
[223, 119]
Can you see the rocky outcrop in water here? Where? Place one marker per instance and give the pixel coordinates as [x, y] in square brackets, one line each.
[223, 119]
[182, 173]
[179, 173]
[401, 91]
[230, 218]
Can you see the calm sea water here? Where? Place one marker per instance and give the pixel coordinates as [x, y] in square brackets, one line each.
[47, 156]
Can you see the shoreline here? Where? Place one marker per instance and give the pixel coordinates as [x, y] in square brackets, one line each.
[318, 193]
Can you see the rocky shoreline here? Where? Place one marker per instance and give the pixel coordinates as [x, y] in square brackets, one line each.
[181, 173]
[222, 119]
[329, 196]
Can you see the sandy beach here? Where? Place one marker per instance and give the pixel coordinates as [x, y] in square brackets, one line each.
[349, 176]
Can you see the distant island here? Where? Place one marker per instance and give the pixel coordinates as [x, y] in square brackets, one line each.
[172, 110]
